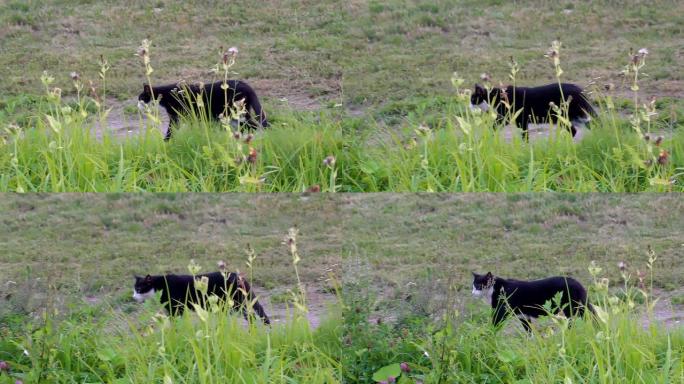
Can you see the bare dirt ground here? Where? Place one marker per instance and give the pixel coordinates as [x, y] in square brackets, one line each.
[317, 304]
[121, 124]
[665, 312]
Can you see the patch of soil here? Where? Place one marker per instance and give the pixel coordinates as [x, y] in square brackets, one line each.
[289, 93]
[537, 131]
[658, 89]
[122, 124]
[317, 303]
[666, 313]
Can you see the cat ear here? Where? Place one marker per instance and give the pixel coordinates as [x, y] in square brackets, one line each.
[146, 88]
[480, 89]
[489, 274]
[148, 278]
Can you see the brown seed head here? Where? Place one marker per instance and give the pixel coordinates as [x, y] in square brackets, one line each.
[252, 157]
[662, 157]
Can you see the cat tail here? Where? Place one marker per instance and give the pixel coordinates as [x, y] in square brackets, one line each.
[253, 101]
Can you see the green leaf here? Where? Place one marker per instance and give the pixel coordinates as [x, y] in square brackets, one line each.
[507, 356]
[383, 373]
[106, 354]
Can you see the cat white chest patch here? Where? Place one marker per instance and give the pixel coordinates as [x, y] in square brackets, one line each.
[140, 297]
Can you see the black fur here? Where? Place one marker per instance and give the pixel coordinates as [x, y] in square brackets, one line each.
[526, 299]
[178, 291]
[214, 98]
[533, 102]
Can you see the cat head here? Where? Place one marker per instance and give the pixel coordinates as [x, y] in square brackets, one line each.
[146, 94]
[483, 284]
[143, 288]
[482, 98]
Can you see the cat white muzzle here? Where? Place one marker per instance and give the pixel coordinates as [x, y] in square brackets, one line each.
[140, 297]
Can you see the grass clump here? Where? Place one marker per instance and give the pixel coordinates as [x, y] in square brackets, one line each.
[86, 346]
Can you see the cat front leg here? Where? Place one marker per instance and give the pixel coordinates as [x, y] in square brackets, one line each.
[173, 120]
[250, 122]
[260, 311]
[525, 320]
[522, 122]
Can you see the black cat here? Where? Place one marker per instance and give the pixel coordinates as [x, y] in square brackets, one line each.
[178, 291]
[525, 299]
[173, 99]
[533, 102]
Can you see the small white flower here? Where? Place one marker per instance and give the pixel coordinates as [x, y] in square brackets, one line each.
[643, 52]
[233, 50]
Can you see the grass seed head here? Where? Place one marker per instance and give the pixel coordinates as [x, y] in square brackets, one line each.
[193, 267]
[252, 157]
[329, 161]
[663, 157]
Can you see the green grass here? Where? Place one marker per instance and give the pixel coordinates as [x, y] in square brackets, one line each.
[353, 82]
[462, 347]
[364, 53]
[462, 152]
[104, 346]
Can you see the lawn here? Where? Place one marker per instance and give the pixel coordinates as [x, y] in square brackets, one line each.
[370, 83]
